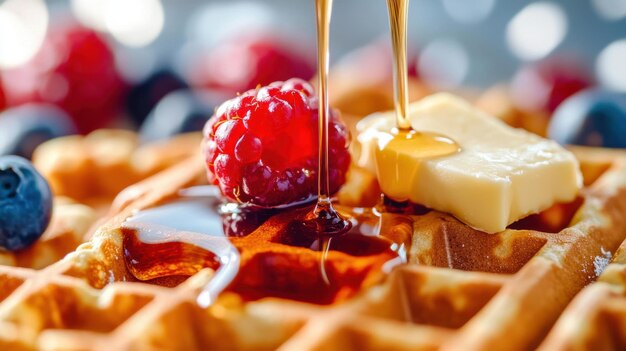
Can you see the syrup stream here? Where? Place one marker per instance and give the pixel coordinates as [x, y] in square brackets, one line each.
[325, 249]
[323, 9]
[398, 13]
[394, 168]
[324, 220]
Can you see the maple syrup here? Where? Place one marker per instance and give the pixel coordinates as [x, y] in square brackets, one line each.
[173, 241]
[404, 136]
[403, 145]
[166, 244]
[323, 219]
[361, 257]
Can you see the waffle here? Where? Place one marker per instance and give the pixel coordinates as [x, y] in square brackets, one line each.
[497, 101]
[596, 318]
[461, 289]
[85, 174]
[93, 169]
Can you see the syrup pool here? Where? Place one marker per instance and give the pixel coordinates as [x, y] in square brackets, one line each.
[183, 237]
[166, 244]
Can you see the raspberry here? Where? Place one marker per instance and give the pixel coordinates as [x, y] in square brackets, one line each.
[75, 70]
[261, 147]
[243, 62]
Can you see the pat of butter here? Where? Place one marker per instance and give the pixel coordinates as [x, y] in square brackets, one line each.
[500, 175]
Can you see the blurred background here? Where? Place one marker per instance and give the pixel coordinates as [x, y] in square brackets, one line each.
[491, 37]
[161, 66]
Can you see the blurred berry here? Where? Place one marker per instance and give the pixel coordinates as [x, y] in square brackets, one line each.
[241, 63]
[179, 112]
[2, 98]
[542, 86]
[143, 97]
[74, 69]
[373, 63]
[593, 118]
[25, 203]
[23, 128]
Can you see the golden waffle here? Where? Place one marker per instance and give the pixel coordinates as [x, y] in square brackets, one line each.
[462, 289]
[497, 101]
[596, 318]
[93, 169]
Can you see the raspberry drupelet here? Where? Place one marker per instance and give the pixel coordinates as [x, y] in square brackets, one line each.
[261, 147]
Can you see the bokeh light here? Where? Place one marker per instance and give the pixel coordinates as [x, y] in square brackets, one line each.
[216, 21]
[90, 13]
[23, 25]
[536, 30]
[468, 11]
[135, 23]
[611, 65]
[611, 10]
[444, 63]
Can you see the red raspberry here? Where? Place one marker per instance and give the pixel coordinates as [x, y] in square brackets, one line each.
[241, 63]
[75, 69]
[261, 147]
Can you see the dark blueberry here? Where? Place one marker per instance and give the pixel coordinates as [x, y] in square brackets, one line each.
[179, 112]
[593, 118]
[23, 128]
[25, 203]
[144, 96]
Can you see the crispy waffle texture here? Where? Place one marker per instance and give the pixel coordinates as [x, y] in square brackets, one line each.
[93, 169]
[461, 289]
[85, 174]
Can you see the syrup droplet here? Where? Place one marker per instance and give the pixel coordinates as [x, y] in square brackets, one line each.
[325, 249]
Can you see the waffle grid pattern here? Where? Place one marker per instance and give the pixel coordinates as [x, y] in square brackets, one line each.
[462, 289]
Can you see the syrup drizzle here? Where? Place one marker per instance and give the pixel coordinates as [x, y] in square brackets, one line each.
[193, 223]
[398, 13]
[432, 145]
[403, 140]
[324, 220]
[325, 249]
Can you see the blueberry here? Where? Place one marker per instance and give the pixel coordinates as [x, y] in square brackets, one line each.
[593, 117]
[23, 128]
[179, 112]
[144, 96]
[25, 203]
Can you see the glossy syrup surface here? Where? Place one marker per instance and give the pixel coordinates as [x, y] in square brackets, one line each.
[173, 241]
[305, 266]
[166, 244]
